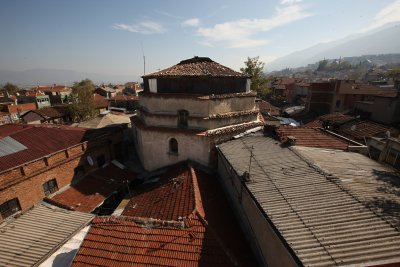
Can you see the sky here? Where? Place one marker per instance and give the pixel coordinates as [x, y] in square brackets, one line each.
[111, 37]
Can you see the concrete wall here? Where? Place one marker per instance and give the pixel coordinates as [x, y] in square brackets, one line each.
[195, 122]
[153, 148]
[382, 109]
[266, 244]
[169, 105]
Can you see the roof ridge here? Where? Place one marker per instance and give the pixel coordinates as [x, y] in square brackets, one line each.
[198, 204]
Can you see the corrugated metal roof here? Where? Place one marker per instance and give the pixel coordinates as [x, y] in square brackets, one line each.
[322, 221]
[9, 145]
[29, 239]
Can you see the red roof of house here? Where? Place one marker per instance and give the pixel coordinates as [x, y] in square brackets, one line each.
[51, 88]
[266, 107]
[311, 137]
[20, 107]
[168, 199]
[39, 140]
[358, 130]
[197, 66]
[100, 101]
[335, 118]
[206, 235]
[91, 192]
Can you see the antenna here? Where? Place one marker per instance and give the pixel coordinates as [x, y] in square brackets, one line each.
[144, 59]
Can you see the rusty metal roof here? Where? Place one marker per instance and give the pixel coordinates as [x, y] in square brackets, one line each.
[322, 220]
[31, 238]
[197, 66]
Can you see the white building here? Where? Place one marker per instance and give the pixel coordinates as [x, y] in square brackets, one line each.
[185, 109]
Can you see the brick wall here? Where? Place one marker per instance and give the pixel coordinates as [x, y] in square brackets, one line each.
[26, 182]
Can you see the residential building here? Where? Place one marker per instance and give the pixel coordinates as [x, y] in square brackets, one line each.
[55, 115]
[105, 91]
[383, 109]
[41, 100]
[59, 94]
[36, 161]
[124, 103]
[385, 150]
[15, 111]
[187, 108]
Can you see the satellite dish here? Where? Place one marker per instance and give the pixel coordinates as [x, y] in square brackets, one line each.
[353, 128]
[90, 160]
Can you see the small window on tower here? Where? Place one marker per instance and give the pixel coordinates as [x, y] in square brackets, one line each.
[173, 146]
[183, 118]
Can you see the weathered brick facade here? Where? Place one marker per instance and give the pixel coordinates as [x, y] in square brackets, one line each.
[25, 182]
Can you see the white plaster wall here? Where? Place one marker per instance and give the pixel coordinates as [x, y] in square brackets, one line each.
[153, 148]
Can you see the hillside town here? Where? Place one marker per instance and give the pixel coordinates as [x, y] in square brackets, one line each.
[195, 166]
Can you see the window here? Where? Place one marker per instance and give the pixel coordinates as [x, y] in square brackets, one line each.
[183, 118]
[101, 160]
[50, 187]
[173, 146]
[9, 208]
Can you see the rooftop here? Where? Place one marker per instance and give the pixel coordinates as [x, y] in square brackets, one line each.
[188, 223]
[197, 66]
[359, 130]
[31, 238]
[311, 137]
[105, 120]
[335, 118]
[92, 191]
[43, 140]
[325, 218]
[52, 88]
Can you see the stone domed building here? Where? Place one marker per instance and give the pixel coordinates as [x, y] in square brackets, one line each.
[186, 109]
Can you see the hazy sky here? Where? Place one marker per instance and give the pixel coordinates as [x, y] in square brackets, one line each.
[107, 36]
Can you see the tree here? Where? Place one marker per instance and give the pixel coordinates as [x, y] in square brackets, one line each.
[10, 88]
[254, 68]
[83, 105]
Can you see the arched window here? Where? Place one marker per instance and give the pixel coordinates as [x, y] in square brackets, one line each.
[183, 118]
[173, 146]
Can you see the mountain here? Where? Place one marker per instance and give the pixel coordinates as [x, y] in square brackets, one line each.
[51, 76]
[384, 41]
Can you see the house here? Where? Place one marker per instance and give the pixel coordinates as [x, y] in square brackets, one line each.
[101, 102]
[124, 102]
[105, 91]
[37, 160]
[15, 111]
[55, 114]
[383, 109]
[307, 206]
[41, 100]
[59, 94]
[187, 108]
[385, 150]
[178, 218]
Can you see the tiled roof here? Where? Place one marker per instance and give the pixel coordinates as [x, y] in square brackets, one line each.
[188, 223]
[50, 112]
[91, 192]
[20, 107]
[100, 101]
[322, 222]
[358, 130]
[105, 120]
[51, 88]
[197, 66]
[266, 107]
[32, 237]
[118, 241]
[311, 137]
[168, 199]
[335, 118]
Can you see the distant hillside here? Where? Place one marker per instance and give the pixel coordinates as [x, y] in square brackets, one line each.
[50, 76]
[386, 41]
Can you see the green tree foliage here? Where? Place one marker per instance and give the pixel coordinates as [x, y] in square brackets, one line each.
[254, 68]
[394, 73]
[11, 89]
[83, 105]
[335, 65]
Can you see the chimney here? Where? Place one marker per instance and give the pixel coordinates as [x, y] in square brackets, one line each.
[291, 140]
